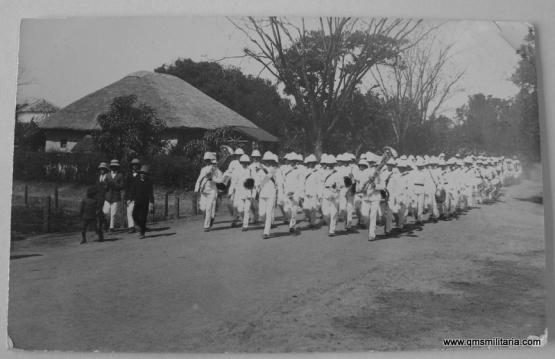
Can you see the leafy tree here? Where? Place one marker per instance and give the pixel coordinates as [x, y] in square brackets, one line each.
[28, 136]
[525, 77]
[322, 69]
[129, 130]
[254, 98]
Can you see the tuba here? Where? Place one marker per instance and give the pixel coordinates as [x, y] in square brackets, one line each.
[388, 152]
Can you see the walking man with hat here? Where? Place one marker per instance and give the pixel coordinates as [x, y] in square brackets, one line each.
[143, 193]
[267, 187]
[206, 185]
[102, 188]
[129, 201]
[115, 184]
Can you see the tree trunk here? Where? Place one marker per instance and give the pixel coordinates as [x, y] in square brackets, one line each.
[317, 144]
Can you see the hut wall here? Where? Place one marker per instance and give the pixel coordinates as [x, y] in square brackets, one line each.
[62, 140]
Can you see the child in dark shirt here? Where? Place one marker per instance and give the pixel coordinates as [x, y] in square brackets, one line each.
[89, 215]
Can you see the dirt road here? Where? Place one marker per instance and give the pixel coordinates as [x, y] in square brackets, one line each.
[479, 276]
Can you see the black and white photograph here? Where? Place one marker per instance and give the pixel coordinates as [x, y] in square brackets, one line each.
[276, 184]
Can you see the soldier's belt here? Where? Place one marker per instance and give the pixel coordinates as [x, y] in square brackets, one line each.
[419, 184]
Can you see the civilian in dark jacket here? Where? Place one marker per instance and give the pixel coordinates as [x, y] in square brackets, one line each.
[89, 215]
[142, 191]
[129, 197]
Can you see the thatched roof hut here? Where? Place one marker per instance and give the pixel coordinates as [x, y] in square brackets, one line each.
[180, 105]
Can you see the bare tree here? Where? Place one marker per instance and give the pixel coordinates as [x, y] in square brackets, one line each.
[416, 86]
[321, 68]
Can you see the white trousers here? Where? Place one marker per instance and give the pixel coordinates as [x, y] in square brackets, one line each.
[419, 206]
[347, 206]
[330, 210]
[291, 206]
[111, 209]
[208, 205]
[130, 206]
[311, 205]
[374, 209]
[246, 212]
[266, 207]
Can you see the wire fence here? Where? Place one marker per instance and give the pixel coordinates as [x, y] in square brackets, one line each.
[36, 210]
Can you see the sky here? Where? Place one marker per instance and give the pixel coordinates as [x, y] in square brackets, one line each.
[62, 60]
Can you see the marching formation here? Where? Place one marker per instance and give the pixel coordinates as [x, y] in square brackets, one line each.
[386, 188]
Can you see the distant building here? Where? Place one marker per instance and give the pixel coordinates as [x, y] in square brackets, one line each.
[36, 111]
[187, 111]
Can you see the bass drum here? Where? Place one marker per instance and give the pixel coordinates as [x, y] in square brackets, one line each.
[385, 194]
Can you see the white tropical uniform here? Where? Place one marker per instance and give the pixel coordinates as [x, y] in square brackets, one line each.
[372, 202]
[385, 211]
[331, 182]
[430, 191]
[206, 186]
[242, 197]
[418, 179]
[292, 187]
[311, 194]
[396, 187]
[280, 179]
[455, 187]
[346, 197]
[267, 193]
[255, 167]
[228, 174]
[360, 178]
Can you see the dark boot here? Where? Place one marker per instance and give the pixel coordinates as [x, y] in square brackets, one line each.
[83, 238]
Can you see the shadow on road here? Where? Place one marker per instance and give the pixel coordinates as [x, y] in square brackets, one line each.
[533, 199]
[19, 256]
[160, 235]
[158, 229]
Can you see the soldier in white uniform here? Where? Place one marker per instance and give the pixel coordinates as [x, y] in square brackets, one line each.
[255, 166]
[331, 182]
[292, 186]
[346, 198]
[373, 197]
[418, 188]
[267, 190]
[311, 186]
[284, 167]
[242, 195]
[431, 185]
[360, 178]
[206, 186]
[233, 164]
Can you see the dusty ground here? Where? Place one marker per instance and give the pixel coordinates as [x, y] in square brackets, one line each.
[480, 276]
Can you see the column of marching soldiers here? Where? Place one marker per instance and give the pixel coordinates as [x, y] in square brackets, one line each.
[386, 188]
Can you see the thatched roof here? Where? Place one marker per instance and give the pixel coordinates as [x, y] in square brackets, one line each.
[175, 101]
[37, 106]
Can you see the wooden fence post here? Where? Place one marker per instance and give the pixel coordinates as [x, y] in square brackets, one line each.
[166, 205]
[26, 196]
[195, 207]
[124, 213]
[46, 215]
[177, 206]
[56, 203]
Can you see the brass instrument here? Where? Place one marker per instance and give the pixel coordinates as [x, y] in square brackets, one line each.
[388, 152]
